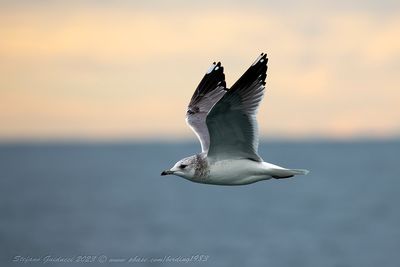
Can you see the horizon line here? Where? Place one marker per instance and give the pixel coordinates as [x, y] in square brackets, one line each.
[141, 140]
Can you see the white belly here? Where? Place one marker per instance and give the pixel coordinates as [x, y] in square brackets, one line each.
[238, 172]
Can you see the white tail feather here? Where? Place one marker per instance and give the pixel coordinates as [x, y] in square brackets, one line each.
[299, 171]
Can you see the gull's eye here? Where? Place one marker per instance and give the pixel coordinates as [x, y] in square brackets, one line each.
[182, 166]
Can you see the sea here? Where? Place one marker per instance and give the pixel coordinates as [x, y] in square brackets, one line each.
[105, 203]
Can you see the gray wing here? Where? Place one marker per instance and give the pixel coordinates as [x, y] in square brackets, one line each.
[232, 121]
[210, 90]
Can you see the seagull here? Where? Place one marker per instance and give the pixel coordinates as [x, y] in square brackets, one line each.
[224, 121]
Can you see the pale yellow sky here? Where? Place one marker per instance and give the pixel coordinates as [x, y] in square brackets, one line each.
[128, 71]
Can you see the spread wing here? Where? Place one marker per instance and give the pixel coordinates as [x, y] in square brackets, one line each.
[210, 90]
[232, 121]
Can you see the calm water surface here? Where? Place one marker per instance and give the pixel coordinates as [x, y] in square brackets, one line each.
[66, 200]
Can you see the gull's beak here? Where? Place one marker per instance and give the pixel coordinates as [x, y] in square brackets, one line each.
[167, 172]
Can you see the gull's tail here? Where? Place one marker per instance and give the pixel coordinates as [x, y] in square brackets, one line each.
[286, 173]
[299, 171]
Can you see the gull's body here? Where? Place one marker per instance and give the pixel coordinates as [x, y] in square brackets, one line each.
[225, 124]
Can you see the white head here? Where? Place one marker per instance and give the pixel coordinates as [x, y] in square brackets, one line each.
[184, 168]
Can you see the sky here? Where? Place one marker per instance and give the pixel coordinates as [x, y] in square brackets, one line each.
[127, 69]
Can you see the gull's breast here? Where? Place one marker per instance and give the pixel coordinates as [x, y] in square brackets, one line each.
[236, 172]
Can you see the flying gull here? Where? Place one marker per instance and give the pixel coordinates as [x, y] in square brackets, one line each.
[224, 121]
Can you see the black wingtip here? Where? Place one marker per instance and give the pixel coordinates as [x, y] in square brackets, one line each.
[214, 67]
[262, 58]
[214, 78]
[264, 55]
[256, 72]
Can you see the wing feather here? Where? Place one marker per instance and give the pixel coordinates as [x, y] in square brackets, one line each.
[210, 90]
[232, 121]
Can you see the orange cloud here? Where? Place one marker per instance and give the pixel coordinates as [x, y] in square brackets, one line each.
[109, 73]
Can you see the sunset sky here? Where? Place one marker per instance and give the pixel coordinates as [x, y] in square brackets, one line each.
[127, 69]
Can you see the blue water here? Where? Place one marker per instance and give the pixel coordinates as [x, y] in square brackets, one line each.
[70, 200]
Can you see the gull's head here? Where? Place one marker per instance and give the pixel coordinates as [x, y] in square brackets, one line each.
[184, 168]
